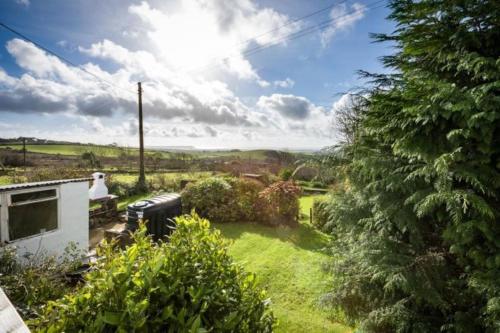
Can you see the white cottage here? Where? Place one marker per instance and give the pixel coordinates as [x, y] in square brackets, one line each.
[45, 216]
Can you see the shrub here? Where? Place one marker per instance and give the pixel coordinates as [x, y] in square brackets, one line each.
[164, 182]
[121, 189]
[280, 201]
[286, 174]
[213, 198]
[247, 199]
[320, 212]
[30, 282]
[43, 174]
[188, 284]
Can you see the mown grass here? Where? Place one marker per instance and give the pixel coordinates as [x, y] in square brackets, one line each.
[288, 263]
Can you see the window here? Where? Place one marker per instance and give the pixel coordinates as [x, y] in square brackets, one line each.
[32, 213]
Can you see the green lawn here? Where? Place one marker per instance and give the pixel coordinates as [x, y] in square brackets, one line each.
[288, 263]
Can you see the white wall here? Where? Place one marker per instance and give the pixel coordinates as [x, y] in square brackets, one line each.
[73, 223]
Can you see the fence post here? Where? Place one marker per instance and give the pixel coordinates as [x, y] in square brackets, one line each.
[311, 215]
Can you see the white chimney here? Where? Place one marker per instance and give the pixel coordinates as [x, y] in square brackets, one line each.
[98, 189]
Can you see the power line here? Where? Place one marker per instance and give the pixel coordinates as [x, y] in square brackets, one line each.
[319, 11]
[298, 34]
[60, 57]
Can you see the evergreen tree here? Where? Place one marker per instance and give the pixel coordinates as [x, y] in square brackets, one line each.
[418, 225]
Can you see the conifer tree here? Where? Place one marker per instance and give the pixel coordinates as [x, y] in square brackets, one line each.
[418, 225]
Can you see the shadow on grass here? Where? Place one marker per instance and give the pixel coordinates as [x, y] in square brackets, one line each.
[302, 235]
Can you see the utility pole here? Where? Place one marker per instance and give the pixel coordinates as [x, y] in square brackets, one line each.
[24, 154]
[141, 184]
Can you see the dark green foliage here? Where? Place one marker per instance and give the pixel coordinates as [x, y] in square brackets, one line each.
[242, 200]
[213, 198]
[247, 198]
[286, 174]
[90, 160]
[189, 284]
[418, 226]
[321, 212]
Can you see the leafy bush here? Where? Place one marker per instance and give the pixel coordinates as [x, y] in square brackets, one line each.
[213, 198]
[247, 199]
[30, 282]
[238, 199]
[43, 174]
[164, 182]
[320, 212]
[189, 284]
[121, 189]
[286, 174]
[280, 202]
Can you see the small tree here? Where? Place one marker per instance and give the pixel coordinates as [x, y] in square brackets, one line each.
[189, 284]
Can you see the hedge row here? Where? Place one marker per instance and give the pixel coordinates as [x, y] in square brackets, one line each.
[236, 199]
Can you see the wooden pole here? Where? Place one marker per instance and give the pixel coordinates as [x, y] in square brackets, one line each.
[142, 173]
[24, 154]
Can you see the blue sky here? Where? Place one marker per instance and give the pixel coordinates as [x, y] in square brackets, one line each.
[201, 86]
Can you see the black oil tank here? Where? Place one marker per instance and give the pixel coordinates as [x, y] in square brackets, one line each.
[159, 212]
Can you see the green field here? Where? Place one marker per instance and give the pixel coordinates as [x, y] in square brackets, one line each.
[109, 151]
[131, 178]
[68, 149]
[288, 263]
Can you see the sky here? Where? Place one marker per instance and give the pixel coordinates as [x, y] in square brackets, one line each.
[214, 73]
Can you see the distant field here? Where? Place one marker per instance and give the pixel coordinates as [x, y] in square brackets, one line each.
[68, 149]
[130, 178]
[106, 151]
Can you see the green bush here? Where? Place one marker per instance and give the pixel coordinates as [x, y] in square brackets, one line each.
[121, 189]
[189, 284]
[238, 199]
[30, 282]
[247, 199]
[320, 212]
[280, 202]
[285, 174]
[213, 198]
[164, 182]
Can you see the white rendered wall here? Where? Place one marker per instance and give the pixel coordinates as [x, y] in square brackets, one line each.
[73, 224]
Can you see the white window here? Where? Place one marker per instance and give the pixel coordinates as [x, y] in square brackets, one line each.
[31, 213]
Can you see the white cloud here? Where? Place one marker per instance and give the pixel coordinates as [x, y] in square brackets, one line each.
[23, 2]
[51, 86]
[179, 102]
[207, 35]
[343, 19]
[286, 83]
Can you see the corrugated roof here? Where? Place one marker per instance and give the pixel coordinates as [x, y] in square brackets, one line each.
[21, 186]
[10, 321]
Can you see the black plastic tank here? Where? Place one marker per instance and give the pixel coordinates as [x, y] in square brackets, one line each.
[159, 212]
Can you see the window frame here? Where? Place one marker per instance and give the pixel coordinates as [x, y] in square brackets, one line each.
[6, 203]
